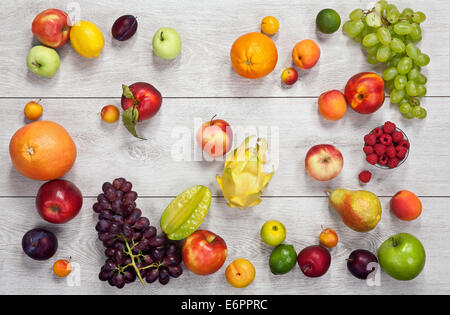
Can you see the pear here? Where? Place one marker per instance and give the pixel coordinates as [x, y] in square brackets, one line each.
[359, 209]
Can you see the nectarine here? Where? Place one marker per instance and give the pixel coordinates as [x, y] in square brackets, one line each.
[332, 105]
[406, 205]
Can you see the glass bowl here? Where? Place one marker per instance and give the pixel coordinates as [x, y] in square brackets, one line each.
[405, 137]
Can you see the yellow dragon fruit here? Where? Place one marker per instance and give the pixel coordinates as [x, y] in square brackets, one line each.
[243, 180]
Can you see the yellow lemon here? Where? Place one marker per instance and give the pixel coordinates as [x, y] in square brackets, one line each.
[87, 39]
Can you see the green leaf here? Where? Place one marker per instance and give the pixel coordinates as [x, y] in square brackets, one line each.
[127, 92]
[130, 118]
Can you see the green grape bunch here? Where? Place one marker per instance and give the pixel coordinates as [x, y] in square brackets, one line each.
[390, 36]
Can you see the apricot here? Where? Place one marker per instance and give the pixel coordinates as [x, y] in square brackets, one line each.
[110, 114]
[33, 111]
[305, 54]
[240, 273]
[406, 205]
[332, 105]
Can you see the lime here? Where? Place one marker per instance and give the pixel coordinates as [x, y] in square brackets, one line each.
[282, 259]
[273, 233]
[328, 21]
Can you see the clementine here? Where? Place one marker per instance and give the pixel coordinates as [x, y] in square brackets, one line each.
[42, 150]
[254, 55]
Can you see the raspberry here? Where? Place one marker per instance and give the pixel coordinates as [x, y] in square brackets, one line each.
[389, 127]
[403, 143]
[397, 137]
[379, 149]
[401, 152]
[386, 139]
[393, 163]
[372, 158]
[368, 149]
[370, 139]
[391, 151]
[365, 176]
[377, 132]
[383, 160]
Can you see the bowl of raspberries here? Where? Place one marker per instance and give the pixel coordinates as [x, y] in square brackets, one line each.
[386, 146]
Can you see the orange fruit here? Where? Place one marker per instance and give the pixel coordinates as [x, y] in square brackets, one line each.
[254, 55]
[110, 113]
[42, 150]
[33, 110]
[240, 273]
[62, 268]
[328, 238]
[270, 25]
[332, 105]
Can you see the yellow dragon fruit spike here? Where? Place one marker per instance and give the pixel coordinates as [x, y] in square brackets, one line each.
[243, 179]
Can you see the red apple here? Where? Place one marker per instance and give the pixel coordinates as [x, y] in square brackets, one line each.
[365, 92]
[51, 28]
[215, 137]
[324, 162]
[58, 201]
[145, 97]
[314, 261]
[289, 76]
[204, 252]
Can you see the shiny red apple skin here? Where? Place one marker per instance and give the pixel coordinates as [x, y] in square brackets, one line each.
[364, 92]
[324, 162]
[148, 97]
[58, 201]
[314, 261]
[215, 137]
[204, 252]
[51, 28]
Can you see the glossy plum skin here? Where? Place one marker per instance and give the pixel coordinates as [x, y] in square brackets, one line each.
[124, 27]
[358, 263]
[39, 244]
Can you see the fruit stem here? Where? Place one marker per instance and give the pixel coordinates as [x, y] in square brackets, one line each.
[328, 191]
[133, 263]
[157, 265]
[161, 35]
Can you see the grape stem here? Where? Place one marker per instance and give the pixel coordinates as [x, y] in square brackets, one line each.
[133, 262]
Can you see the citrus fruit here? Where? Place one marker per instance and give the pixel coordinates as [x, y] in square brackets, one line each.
[282, 259]
[62, 268]
[328, 21]
[87, 39]
[33, 110]
[273, 233]
[254, 55]
[42, 150]
[186, 212]
[269, 25]
[240, 273]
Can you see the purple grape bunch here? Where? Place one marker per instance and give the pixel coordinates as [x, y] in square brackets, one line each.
[133, 248]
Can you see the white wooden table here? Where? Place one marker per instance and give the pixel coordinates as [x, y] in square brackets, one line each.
[199, 84]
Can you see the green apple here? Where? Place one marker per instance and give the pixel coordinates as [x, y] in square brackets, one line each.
[167, 43]
[43, 61]
[402, 256]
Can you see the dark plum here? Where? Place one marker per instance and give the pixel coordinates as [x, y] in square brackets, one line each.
[39, 244]
[124, 27]
[358, 263]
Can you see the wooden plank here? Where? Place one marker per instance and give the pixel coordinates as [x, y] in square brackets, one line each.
[303, 218]
[208, 29]
[292, 126]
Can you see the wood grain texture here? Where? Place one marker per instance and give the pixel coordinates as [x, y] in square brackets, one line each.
[107, 151]
[197, 85]
[303, 218]
[208, 29]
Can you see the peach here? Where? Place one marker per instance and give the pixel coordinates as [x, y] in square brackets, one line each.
[364, 92]
[289, 76]
[240, 273]
[305, 54]
[406, 205]
[332, 105]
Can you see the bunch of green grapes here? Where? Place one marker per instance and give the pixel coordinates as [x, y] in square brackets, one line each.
[389, 37]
